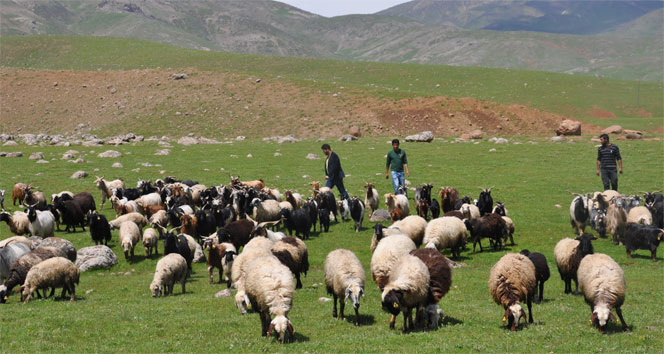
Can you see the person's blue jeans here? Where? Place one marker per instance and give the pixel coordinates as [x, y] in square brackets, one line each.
[397, 180]
[339, 183]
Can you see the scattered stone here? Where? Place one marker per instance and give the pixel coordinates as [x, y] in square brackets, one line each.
[93, 142]
[199, 255]
[181, 76]
[277, 154]
[240, 138]
[187, 141]
[492, 150]
[425, 136]
[163, 152]
[380, 215]
[315, 285]
[136, 170]
[559, 138]
[347, 137]
[113, 90]
[558, 206]
[164, 144]
[311, 156]
[502, 141]
[10, 143]
[595, 139]
[36, 156]
[283, 139]
[464, 136]
[127, 273]
[13, 154]
[87, 292]
[324, 299]
[621, 138]
[42, 161]
[614, 129]
[78, 160]
[79, 174]
[208, 141]
[110, 153]
[355, 131]
[117, 165]
[635, 136]
[146, 164]
[73, 152]
[95, 257]
[476, 134]
[569, 127]
[67, 156]
[60, 243]
[223, 293]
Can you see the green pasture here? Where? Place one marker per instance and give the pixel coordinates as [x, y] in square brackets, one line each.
[574, 95]
[531, 178]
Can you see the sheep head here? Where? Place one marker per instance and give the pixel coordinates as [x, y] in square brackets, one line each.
[353, 293]
[281, 324]
[155, 289]
[513, 315]
[601, 316]
[392, 300]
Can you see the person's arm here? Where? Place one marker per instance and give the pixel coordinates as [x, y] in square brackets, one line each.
[598, 157]
[598, 167]
[620, 165]
[405, 164]
[619, 158]
[387, 166]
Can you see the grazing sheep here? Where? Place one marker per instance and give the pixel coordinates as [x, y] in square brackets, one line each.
[220, 256]
[640, 215]
[616, 219]
[54, 272]
[470, 211]
[293, 253]
[239, 271]
[100, 230]
[603, 285]
[568, 254]
[511, 282]
[269, 288]
[387, 253]
[344, 279]
[129, 235]
[645, 237]
[401, 201]
[542, 272]
[136, 218]
[408, 288]
[150, 242]
[159, 218]
[446, 232]
[42, 223]
[509, 224]
[8, 255]
[18, 223]
[440, 280]
[371, 198]
[18, 193]
[491, 226]
[19, 269]
[106, 188]
[170, 269]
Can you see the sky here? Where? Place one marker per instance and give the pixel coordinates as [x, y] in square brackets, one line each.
[331, 8]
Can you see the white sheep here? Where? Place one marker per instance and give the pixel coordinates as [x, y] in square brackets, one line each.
[286, 205]
[510, 229]
[269, 288]
[42, 223]
[136, 218]
[129, 236]
[602, 282]
[239, 271]
[344, 279]
[408, 288]
[18, 223]
[150, 240]
[616, 220]
[470, 211]
[446, 232]
[413, 226]
[267, 210]
[640, 215]
[400, 200]
[274, 193]
[149, 200]
[387, 253]
[54, 272]
[170, 269]
[511, 282]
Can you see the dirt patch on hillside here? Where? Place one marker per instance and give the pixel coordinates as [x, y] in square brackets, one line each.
[215, 104]
[600, 113]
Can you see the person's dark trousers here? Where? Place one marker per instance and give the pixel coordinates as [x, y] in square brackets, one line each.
[610, 179]
[339, 183]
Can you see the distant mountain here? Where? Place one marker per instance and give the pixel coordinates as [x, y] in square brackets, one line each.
[274, 28]
[559, 16]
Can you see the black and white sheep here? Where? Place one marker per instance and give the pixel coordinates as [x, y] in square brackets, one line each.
[344, 279]
[542, 272]
[511, 282]
[172, 268]
[42, 223]
[446, 232]
[387, 253]
[602, 282]
[568, 254]
[54, 272]
[645, 237]
[579, 213]
[408, 288]
[179, 244]
[293, 253]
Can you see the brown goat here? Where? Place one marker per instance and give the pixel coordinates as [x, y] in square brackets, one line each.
[422, 208]
[189, 225]
[217, 254]
[396, 213]
[448, 196]
[150, 210]
[18, 192]
[456, 213]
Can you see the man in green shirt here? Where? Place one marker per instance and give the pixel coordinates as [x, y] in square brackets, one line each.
[396, 163]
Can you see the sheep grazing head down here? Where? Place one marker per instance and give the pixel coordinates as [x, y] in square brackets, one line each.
[353, 293]
[126, 246]
[392, 302]
[601, 316]
[281, 324]
[513, 315]
[155, 289]
[241, 301]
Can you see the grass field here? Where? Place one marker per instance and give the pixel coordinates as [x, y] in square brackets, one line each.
[120, 315]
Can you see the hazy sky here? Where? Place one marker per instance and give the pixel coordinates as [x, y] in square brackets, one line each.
[330, 8]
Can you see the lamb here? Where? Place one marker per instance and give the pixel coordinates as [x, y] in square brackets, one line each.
[400, 200]
[344, 279]
[106, 188]
[22, 265]
[646, 237]
[640, 215]
[440, 280]
[18, 223]
[387, 253]
[100, 230]
[490, 226]
[616, 219]
[18, 193]
[298, 219]
[293, 253]
[371, 198]
[267, 210]
[470, 211]
[568, 254]
[150, 242]
[269, 288]
[129, 236]
[52, 273]
[542, 272]
[239, 271]
[220, 256]
[408, 288]
[42, 223]
[446, 232]
[603, 285]
[511, 282]
[357, 212]
[136, 218]
[8, 255]
[170, 269]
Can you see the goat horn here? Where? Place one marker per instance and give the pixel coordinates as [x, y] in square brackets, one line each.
[265, 223]
[490, 188]
[252, 220]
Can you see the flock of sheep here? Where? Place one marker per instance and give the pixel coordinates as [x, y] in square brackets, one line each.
[237, 224]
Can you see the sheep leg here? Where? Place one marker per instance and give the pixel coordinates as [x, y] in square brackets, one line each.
[299, 283]
[334, 308]
[530, 311]
[210, 271]
[264, 323]
[576, 286]
[64, 292]
[392, 320]
[357, 317]
[183, 285]
[72, 290]
[342, 304]
[221, 275]
[622, 320]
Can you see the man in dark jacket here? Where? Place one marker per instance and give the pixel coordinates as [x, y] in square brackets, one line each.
[333, 172]
[607, 155]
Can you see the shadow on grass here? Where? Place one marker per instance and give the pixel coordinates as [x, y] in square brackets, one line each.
[299, 337]
[365, 320]
[450, 321]
[613, 327]
[643, 256]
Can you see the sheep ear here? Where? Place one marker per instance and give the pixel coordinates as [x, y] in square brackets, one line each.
[348, 293]
[593, 319]
[291, 331]
[269, 330]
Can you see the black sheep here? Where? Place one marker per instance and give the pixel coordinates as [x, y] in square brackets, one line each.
[298, 220]
[237, 232]
[72, 214]
[491, 226]
[434, 208]
[542, 272]
[178, 244]
[100, 230]
[645, 237]
[324, 218]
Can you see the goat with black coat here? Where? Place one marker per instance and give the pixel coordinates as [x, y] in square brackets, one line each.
[542, 272]
[656, 209]
[85, 201]
[357, 212]
[327, 201]
[324, 218]
[178, 244]
[461, 202]
[100, 230]
[222, 215]
[485, 201]
[645, 237]
[129, 193]
[72, 214]
[206, 223]
[490, 226]
[579, 213]
[298, 220]
[237, 232]
[312, 208]
[435, 209]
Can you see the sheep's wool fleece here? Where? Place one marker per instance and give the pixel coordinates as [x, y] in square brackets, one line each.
[342, 266]
[563, 252]
[601, 280]
[513, 274]
[271, 285]
[387, 253]
[241, 262]
[259, 242]
[411, 276]
[444, 231]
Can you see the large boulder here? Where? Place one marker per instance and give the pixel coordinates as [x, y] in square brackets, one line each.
[614, 129]
[569, 127]
[380, 215]
[476, 134]
[36, 156]
[423, 137]
[355, 131]
[110, 153]
[187, 140]
[95, 257]
[347, 137]
[62, 244]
